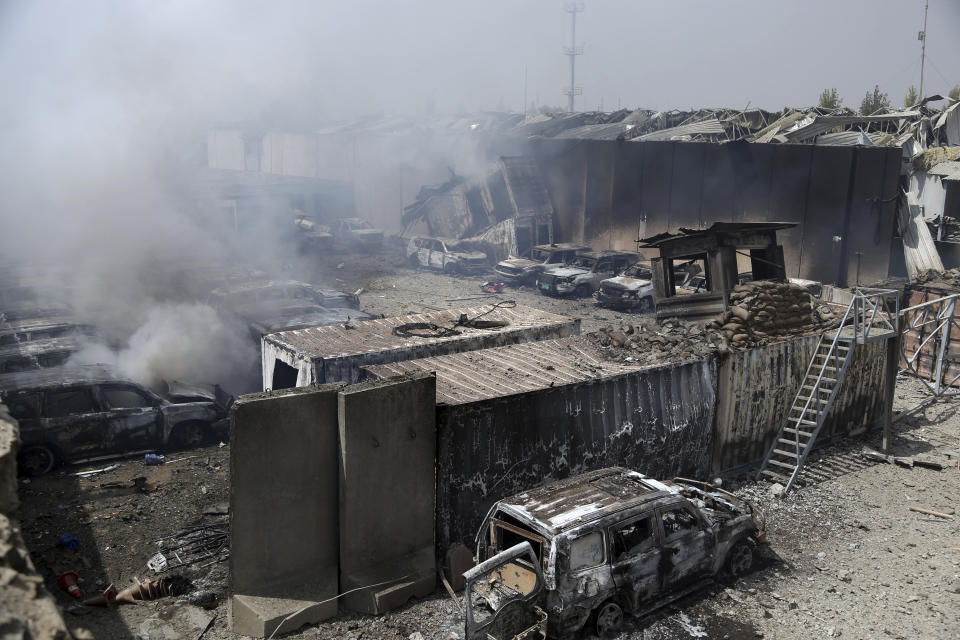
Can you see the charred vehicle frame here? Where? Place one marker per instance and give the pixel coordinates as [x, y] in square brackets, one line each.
[601, 544]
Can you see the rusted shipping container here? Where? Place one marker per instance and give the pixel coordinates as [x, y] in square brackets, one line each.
[511, 418]
[335, 353]
[757, 386]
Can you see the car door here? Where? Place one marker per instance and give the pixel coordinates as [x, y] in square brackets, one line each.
[436, 254]
[635, 558]
[74, 423]
[134, 416]
[689, 545]
[503, 597]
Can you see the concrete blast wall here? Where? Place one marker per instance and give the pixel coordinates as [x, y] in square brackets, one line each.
[331, 489]
[387, 452]
[284, 550]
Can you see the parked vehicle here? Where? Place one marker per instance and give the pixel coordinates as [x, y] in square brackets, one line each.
[33, 329]
[76, 413]
[269, 293]
[582, 277]
[37, 354]
[517, 271]
[694, 284]
[815, 288]
[588, 548]
[312, 237]
[446, 255]
[356, 233]
[631, 291]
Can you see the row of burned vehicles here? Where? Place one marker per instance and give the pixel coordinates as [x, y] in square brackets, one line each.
[72, 408]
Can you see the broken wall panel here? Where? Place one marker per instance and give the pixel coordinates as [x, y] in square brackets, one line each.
[283, 510]
[756, 386]
[387, 434]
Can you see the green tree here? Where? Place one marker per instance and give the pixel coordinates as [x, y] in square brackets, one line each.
[874, 101]
[830, 99]
[911, 98]
[954, 94]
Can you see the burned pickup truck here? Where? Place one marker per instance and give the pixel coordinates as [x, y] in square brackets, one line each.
[587, 549]
[79, 413]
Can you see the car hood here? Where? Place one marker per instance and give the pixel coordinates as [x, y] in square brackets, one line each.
[520, 263]
[565, 272]
[628, 283]
[470, 255]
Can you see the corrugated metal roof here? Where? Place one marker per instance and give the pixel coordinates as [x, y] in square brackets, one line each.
[610, 131]
[710, 126]
[823, 124]
[503, 371]
[371, 336]
[850, 138]
[949, 168]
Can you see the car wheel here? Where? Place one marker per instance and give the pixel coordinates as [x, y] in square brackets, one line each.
[582, 291]
[609, 617]
[36, 460]
[189, 434]
[413, 261]
[451, 269]
[740, 559]
[646, 305]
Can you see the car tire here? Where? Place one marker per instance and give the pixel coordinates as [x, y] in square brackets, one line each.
[646, 305]
[739, 559]
[189, 435]
[582, 291]
[413, 261]
[36, 460]
[451, 269]
[608, 618]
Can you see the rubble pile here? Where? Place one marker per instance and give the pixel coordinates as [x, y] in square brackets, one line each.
[761, 310]
[650, 343]
[950, 277]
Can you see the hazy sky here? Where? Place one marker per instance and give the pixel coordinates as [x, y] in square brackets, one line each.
[239, 59]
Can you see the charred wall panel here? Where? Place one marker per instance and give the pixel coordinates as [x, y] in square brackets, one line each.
[789, 192]
[825, 213]
[872, 219]
[754, 164]
[756, 388]
[658, 421]
[627, 192]
[686, 186]
[563, 165]
[598, 193]
[718, 184]
[657, 183]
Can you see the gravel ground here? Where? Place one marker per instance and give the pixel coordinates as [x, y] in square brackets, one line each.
[845, 557]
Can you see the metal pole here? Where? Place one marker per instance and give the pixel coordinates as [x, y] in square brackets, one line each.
[944, 339]
[890, 385]
[923, 46]
[573, 58]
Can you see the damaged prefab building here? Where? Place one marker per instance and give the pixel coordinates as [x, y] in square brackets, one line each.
[511, 418]
[335, 353]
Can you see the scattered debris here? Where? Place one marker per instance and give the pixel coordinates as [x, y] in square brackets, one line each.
[920, 460]
[930, 512]
[147, 590]
[91, 472]
[153, 459]
[67, 581]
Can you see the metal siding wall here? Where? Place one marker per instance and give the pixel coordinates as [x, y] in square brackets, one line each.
[788, 198]
[754, 182]
[657, 421]
[627, 190]
[871, 223]
[598, 193]
[825, 213]
[657, 178]
[687, 184]
[756, 388]
[718, 184]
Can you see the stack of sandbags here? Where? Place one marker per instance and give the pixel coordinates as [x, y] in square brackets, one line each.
[652, 343]
[764, 309]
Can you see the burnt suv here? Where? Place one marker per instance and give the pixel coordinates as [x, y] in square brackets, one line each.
[446, 255]
[582, 277]
[591, 547]
[79, 413]
[517, 271]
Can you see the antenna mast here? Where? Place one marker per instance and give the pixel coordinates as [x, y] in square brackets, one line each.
[573, 8]
[922, 37]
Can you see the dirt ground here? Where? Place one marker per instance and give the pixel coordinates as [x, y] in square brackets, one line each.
[846, 557]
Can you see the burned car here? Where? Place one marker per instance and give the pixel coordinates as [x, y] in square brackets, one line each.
[356, 233]
[589, 548]
[38, 354]
[582, 277]
[312, 237]
[78, 413]
[632, 290]
[446, 255]
[267, 293]
[517, 271]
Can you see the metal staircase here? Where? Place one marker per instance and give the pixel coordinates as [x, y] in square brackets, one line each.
[864, 321]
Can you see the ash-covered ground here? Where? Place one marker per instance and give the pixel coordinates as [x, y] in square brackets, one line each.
[846, 557]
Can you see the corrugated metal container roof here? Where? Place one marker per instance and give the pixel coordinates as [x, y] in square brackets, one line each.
[371, 336]
[704, 127]
[949, 168]
[490, 373]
